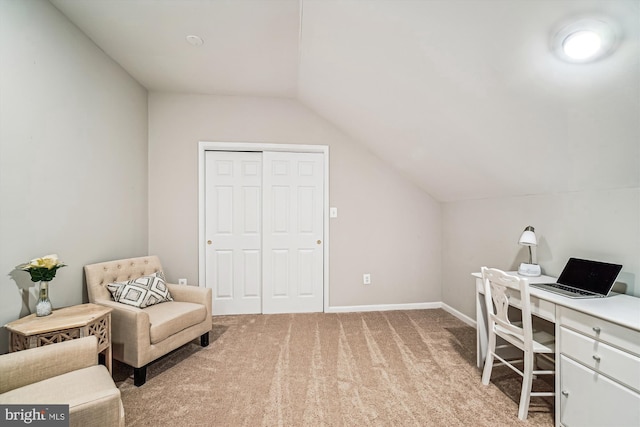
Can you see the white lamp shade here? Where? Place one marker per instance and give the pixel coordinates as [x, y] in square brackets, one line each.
[528, 238]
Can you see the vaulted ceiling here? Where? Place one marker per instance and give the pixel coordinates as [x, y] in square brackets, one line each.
[464, 97]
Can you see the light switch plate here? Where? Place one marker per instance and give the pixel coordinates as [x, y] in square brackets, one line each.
[333, 212]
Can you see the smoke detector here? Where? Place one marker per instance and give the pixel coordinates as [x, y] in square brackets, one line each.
[195, 40]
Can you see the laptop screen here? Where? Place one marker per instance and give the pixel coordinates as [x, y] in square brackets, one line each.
[594, 276]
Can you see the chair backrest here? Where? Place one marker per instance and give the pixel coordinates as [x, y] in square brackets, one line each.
[99, 275]
[497, 286]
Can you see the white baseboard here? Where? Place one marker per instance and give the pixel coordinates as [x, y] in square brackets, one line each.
[466, 319]
[384, 307]
[410, 306]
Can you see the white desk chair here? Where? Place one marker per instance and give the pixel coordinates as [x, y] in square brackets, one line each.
[497, 285]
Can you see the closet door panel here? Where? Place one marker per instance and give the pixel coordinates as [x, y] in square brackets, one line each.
[293, 221]
[233, 231]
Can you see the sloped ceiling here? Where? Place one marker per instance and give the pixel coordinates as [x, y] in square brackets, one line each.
[250, 47]
[463, 97]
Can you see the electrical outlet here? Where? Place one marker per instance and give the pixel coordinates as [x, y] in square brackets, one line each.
[182, 281]
[366, 278]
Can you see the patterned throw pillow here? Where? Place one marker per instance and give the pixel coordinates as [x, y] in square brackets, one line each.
[141, 292]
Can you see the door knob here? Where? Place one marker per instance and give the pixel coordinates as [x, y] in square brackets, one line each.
[208, 242]
[319, 242]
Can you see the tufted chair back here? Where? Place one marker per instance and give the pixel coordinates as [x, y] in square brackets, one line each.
[101, 274]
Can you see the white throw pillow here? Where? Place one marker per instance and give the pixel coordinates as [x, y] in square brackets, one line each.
[141, 292]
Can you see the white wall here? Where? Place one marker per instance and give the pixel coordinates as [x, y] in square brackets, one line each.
[602, 225]
[73, 155]
[386, 226]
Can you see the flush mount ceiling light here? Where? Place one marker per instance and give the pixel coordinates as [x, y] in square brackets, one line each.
[195, 40]
[585, 40]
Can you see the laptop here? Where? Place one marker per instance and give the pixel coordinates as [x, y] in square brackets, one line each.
[583, 278]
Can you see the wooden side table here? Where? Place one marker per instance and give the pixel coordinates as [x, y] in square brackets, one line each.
[62, 325]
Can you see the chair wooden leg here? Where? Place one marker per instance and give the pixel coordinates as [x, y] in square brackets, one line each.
[527, 381]
[139, 376]
[204, 339]
[488, 362]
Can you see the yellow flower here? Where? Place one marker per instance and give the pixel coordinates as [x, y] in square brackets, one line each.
[43, 269]
[47, 261]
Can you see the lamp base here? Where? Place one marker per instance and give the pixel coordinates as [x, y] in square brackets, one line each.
[531, 270]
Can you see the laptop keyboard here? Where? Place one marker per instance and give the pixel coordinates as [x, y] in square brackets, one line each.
[570, 289]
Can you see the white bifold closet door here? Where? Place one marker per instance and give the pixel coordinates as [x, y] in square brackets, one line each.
[264, 227]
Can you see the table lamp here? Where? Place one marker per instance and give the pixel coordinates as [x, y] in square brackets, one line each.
[528, 238]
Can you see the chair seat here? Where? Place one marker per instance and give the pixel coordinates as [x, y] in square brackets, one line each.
[543, 342]
[169, 318]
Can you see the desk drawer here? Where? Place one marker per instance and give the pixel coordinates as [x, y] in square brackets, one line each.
[616, 364]
[601, 330]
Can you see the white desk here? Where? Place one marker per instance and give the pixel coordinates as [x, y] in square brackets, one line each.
[597, 353]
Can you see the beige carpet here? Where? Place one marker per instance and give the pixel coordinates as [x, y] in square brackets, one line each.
[399, 368]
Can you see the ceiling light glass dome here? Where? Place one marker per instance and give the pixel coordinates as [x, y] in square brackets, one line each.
[585, 40]
[582, 45]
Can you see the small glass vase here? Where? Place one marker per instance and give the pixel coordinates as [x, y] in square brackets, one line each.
[43, 306]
